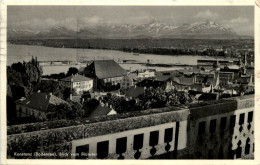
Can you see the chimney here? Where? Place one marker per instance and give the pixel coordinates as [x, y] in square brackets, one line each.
[110, 106]
[107, 104]
[70, 96]
[144, 87]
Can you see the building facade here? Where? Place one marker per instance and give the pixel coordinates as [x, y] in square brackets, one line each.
[107, 75]
[78, 83]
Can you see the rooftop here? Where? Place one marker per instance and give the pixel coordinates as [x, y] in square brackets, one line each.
[108, 69]
[40, 101]
[135, 91]
[101, 110]
[200, 109]
[76, 78]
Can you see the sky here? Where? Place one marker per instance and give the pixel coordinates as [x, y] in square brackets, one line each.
[38, 18]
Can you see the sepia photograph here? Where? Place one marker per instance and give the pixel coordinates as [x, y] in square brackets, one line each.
[130, 82]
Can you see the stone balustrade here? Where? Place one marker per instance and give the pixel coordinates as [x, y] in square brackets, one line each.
[223, 130]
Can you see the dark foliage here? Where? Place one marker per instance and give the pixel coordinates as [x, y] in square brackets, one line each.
[89, 106]
[51, 86]
[55, 76]
[67, 92]
[72, 71]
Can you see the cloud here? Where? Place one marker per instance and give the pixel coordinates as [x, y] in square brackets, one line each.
[207, 14]
[239, 20]
[42, 24]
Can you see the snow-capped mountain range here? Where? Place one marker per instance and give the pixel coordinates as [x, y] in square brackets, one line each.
[153, 29]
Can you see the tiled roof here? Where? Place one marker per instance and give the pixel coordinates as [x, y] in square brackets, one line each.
[100, 111]
[41, 101]
[163, 78]
[76, 78]
[108, 69]
[135, 91]
[184, 80]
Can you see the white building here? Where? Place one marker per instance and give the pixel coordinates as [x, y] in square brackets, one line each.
[78, 82]
[146, 74]
[129, 80]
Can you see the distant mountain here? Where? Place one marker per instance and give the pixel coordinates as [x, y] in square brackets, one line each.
[153, 29]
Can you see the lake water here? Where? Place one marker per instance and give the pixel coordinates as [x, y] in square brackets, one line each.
[16, 53]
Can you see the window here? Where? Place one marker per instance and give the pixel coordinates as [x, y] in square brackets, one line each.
[232, 121]
[230, 152]
[212, 127]
[82, 152]
[168, 135]
[154, 137]
[241, 118]
[247, 148]
[102, 149]
[138, 141]
[223, 122]
[250, 117]
[121, 145]
[202, 126]
[239, 150]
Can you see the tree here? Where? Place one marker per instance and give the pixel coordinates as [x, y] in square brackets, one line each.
[14, 77]
[51, 86]
[77, 110]
[67, 92]
[72, 71]
[26, 74]
[90, 106]
[33, 72]
[85, 96]
[241, 90]
[63, 111]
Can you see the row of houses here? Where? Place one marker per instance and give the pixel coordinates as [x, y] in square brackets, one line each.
[106, 75]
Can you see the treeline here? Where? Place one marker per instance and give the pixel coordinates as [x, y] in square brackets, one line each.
[173, 51]
[117, 44]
